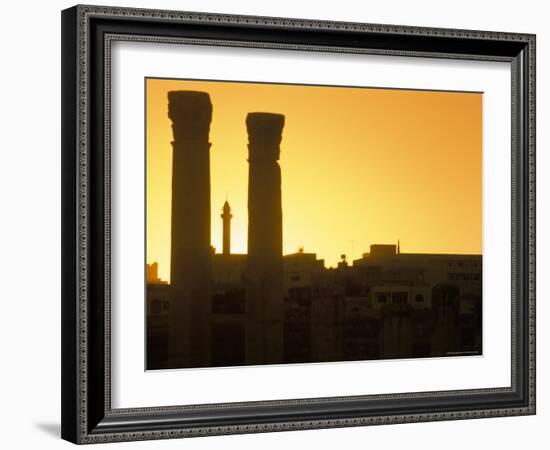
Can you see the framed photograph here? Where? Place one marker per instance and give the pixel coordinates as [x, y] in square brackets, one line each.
[278, 224]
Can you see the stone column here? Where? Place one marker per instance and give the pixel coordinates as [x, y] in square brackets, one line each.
[264, 294]
[191, 264]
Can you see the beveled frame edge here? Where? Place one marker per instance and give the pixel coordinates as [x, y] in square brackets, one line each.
[76, 218]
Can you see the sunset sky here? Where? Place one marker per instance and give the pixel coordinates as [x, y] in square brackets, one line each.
[359, 166]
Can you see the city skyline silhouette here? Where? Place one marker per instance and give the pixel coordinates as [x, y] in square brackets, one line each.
[369, 207]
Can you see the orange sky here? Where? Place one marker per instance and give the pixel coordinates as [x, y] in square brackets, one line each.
[359, 166]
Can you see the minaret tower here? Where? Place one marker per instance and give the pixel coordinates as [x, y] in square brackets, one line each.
[226, 217]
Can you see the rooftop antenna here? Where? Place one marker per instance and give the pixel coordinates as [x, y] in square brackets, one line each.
[398, 247]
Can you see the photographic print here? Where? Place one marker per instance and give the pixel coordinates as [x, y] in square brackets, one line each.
[298, 202]
[292, 223]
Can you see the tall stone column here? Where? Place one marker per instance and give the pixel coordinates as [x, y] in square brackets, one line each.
[191, 263]
[264, 293]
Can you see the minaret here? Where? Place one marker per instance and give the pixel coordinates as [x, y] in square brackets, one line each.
[190, 265]
[264, 273]
[226, 217]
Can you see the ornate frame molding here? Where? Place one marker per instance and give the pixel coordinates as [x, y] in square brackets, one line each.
[85, 422]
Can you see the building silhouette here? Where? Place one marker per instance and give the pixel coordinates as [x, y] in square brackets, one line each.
[152, 274]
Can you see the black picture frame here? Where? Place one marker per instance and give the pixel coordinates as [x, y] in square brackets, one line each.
[87, 415]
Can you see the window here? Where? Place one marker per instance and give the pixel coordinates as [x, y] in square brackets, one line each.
[399, 298]
[419, 298]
